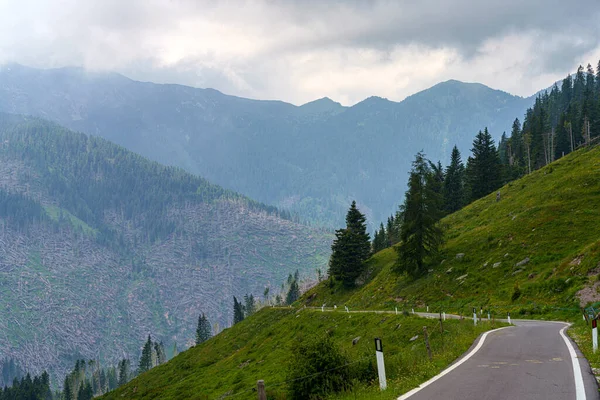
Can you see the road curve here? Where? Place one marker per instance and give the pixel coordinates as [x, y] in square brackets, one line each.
[528, 361]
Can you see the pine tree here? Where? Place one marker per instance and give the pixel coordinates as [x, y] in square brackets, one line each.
[420, 232]
[238, 311]
[250, 304]
[159, 351]
[293, 293]
[350, 249]
[146, 358]
[454, 183]
[67, 390]
[391, 232]
[483, 168]
[204, 329]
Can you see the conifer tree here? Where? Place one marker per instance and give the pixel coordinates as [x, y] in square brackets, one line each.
[159, 351]
[293, 293]
[203, 331]
[67, 390]
[146, 358]
[454, 183]
[420, 232]
[238, 311]
[483, 168]
[391, 232]
[250, 304]
[350, 249]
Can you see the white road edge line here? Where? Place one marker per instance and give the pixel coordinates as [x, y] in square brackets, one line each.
[579, 388]
[454, 366]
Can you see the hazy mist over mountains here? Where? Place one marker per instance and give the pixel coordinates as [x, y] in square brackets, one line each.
[312, 160]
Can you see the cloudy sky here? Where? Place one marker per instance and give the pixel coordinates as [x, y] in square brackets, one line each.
[302, 50]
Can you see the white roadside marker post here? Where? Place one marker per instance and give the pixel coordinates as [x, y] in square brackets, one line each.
[347, 309]
[594, 335]
[380, 364]
[474, 316]
[444, 314]
[510, 323]
[413, 310]
[396, 310]
[488, 316]
[427, 308]
[323, 308]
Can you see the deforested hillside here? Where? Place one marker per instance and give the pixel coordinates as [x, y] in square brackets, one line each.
[99, 247]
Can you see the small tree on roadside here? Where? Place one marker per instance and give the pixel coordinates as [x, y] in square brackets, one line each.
[322, 365]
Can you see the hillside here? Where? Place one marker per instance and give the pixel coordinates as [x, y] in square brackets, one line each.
[261, 347]
[314, 159]
[99, 247]
[541, 236]
[547, 218]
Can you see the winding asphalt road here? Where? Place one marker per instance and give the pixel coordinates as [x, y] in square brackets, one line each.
[528, 361]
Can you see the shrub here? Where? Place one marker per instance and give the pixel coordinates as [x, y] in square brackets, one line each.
[317, 369]
[516, 292]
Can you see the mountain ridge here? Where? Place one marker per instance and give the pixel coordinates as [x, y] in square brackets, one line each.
[312, 159]
[100, 246]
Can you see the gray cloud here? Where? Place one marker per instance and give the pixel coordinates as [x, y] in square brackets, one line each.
[304, 49]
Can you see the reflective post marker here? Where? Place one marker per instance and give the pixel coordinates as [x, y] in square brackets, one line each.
[396, 310]
[488, 315]
[413, 310]
[594, 335]
[347, 309]
[427, 308]
[380, 364]
[509, 319]
[444, 314]
[323, 308]
[474, 316]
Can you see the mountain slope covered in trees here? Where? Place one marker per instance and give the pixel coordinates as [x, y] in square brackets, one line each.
[100, 247]
[314, 159]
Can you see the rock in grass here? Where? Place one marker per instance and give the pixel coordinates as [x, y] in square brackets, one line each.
[496, 265]
[522, 262]
[412, 339]
[355, 340]
[460, 256]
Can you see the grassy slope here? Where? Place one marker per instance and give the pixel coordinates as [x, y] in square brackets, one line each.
[260, 348]
[551, 216]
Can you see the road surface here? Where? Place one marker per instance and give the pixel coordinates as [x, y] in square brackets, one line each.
[528, 361]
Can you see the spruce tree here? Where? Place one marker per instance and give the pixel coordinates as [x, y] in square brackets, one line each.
[159, 351]
[124, 372]
[250, 304]
[350, 249]
[238, 311]
[391, 232]
[203, 331]
[67, 390]
[146, 358]
[454, 183]
[420, 232]
[483, 171]
[293, 293]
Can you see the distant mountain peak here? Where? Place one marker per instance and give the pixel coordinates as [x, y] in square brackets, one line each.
[323, 105]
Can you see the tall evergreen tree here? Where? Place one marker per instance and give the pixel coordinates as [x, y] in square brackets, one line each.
[350, 249]
[420, 232]
[124, 371]
[159, 350]
[238, 311]
[250, 304]
[293, 293]
[483, 168]
[204, 329]
[391, 232]
[146, 358]
[454, 183]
